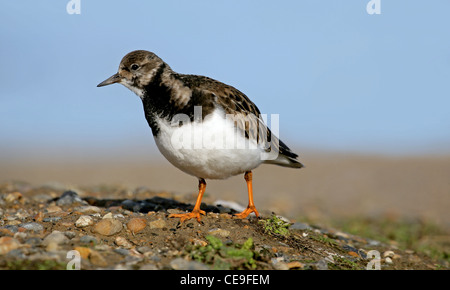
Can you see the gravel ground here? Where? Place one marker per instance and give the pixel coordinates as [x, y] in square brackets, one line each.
[110, 227]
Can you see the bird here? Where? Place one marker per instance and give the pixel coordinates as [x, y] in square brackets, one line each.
[202, 126]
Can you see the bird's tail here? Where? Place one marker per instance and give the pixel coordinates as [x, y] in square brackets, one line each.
[285, 157]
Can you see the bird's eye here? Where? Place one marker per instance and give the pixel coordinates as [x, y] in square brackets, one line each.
[134, 66]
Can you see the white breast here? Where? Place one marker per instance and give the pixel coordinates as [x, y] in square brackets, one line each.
[211, 149]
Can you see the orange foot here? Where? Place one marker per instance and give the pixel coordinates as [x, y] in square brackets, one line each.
[187, 216]
[247, 211]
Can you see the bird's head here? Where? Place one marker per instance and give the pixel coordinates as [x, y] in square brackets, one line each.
[136, 70]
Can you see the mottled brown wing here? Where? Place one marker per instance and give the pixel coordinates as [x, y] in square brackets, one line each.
[247, 117]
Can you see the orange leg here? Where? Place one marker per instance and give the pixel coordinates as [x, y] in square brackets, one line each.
[196, 212]
[251, 206]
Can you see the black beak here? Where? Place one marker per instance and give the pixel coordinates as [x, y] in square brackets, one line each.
[111, 80]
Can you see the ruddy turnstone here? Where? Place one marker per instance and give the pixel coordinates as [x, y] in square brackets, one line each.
[204, 127]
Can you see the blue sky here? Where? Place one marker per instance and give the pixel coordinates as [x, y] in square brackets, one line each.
[339, 78]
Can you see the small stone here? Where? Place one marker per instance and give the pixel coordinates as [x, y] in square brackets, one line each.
[197, 242]
[295, 265]
[108, 216]
[33, 241]
[34, 227]
[353, 254]
[97, 259]
[108, 227]
[70, 235]
[122, 242]
[158, 224]
[388, 260]
[8, 244]
[12, 197]
[56, 237]
[39, 216]
[83, 251]
[279, 264]
[88, 240]
[173, 211]
[136, 225]
[321, 265]
[20, 236]
[219, 232]
[9, 230]
[52, 219]
[52, 247]
[122, 251]
[225, 216]
[69, 197]
[88, 209]
[182, 264]
[53, 209]
[84, 221]
[144, 250]
[389, 254]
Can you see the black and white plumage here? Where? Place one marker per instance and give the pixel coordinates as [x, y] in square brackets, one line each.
[204, 127]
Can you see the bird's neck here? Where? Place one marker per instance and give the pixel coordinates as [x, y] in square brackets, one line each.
[165, 96]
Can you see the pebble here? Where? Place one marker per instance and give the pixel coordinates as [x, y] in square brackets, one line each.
[158, 224]
[174, 211]
[136, 225]
[8, 244]
[122, 242]
[70, 235]
[389, 254]
[108, 227]
[88, 240]
[33, 241]
[12, 197]
[88, 209]
[182, 264]
[10, 229]
[97, 259]
[322, 264]
[388, 260]
[295, 265]
[83, 251]
[279, 264]
[56, 237]
[53, 209]
[32, 226]
[69, 197]
[52, 247]
[52, 219]
[109, 215]
[219, 232]
[84, 221]
[122, 251]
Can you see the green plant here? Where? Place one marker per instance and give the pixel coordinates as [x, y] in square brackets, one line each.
[222, 257]
[275, 226]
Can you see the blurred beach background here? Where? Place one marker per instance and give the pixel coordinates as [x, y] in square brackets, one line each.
[363, 99]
